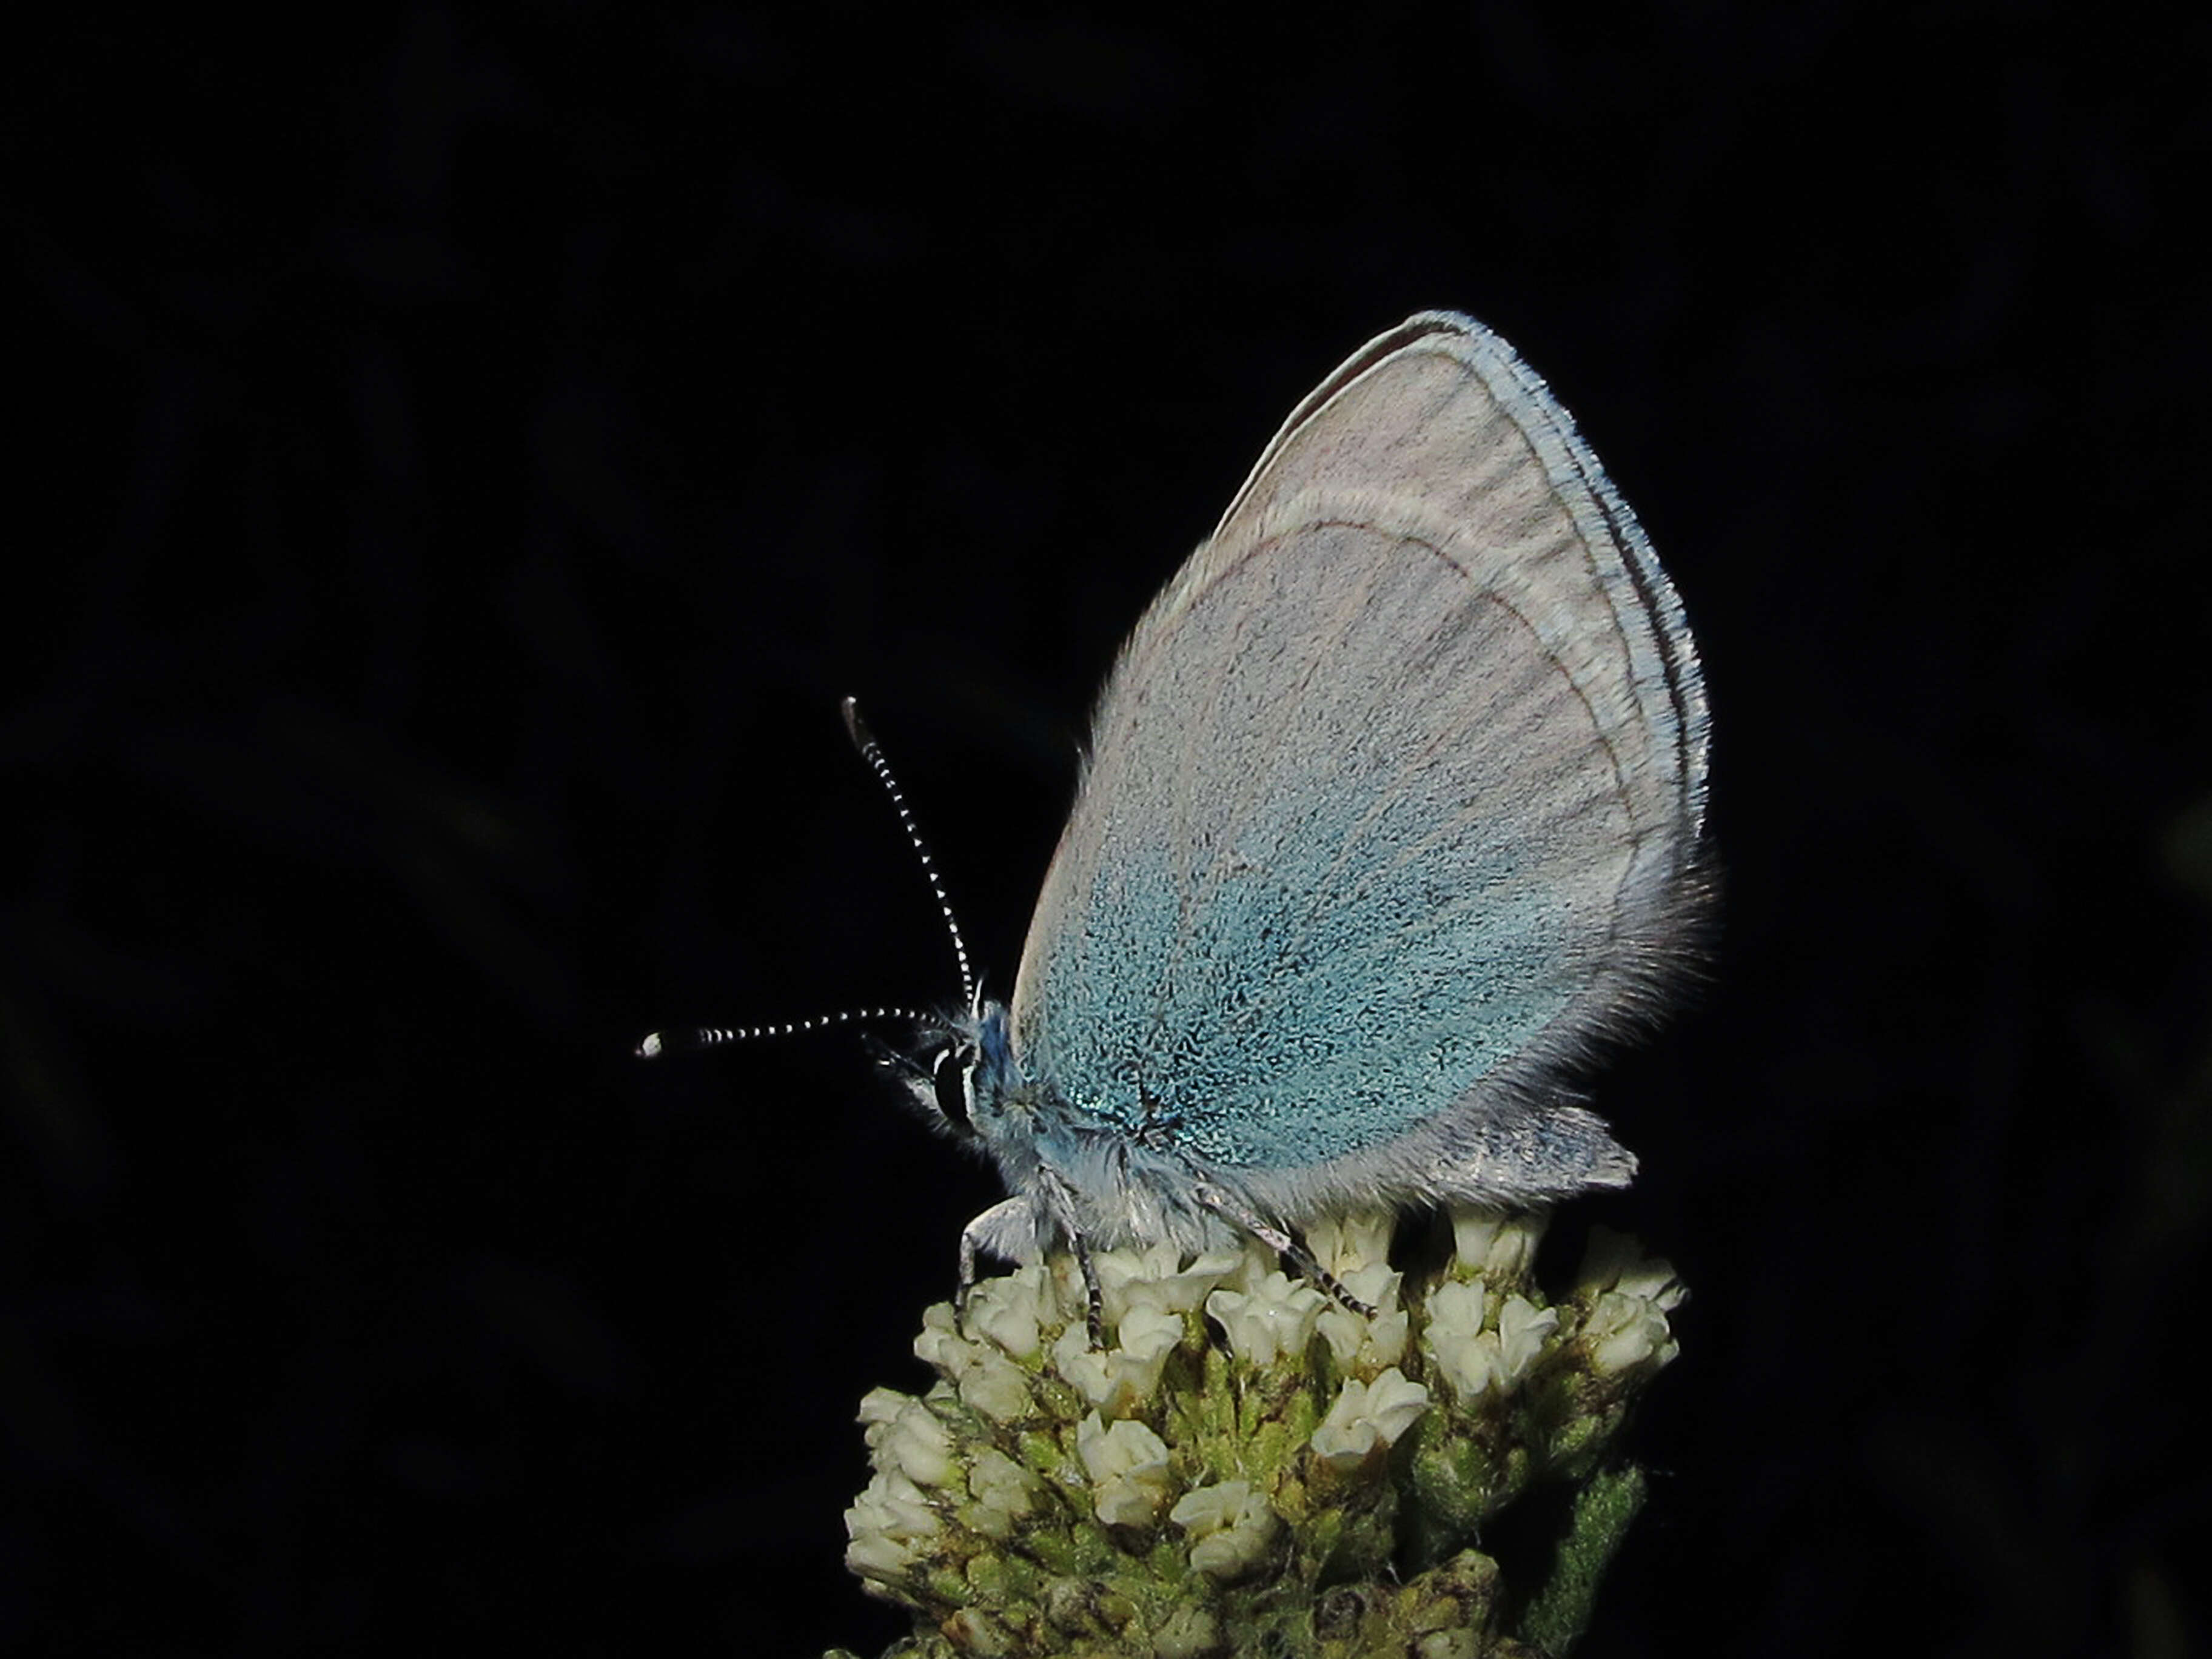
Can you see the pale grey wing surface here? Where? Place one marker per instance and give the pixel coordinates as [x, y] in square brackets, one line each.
[1422, 449]
[1394, 802]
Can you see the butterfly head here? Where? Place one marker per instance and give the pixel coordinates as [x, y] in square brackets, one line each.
[961, 1073]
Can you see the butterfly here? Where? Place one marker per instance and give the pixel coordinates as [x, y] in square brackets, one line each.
[1392, 819]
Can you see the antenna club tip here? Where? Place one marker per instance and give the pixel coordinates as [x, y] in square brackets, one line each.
[855, 726]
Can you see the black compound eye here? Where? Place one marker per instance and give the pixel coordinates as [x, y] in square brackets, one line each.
[950, 1077]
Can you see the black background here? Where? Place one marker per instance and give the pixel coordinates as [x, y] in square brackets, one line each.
[459, 464]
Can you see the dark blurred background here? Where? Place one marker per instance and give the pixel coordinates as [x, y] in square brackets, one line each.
[461, 461]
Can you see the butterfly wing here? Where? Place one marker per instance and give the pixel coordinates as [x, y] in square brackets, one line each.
[1393, 810]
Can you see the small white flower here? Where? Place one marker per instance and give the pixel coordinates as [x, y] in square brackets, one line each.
[1204, 1511]
[1625, 1331]
[1151, 1335]
[1230, 1527]
[984, 1378]
[1131, 1279]
[1361, 1343]
[1004, 1494]
[1626, 1326]
[1255, 1261]
[893, 1505]
[1274, 1318]
[1453, 1334]
[880, 1405]
[940, 1346]
[1470, 1366]
[1008, 1310]
[872, 1556]
[1156, 1280]
[1366, 1415]
[997, 1387]
[886, 1521]
[1615, 1261]
[1474, 1359]
[1347, 1245]
[1127, 1464]
[1120, 1379]
[1522, 1329]
[911, 1441]
[1495, 1245]
[1474, 1231]
[1656, 1283]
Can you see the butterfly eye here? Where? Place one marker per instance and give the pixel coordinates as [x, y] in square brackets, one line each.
[955, 1065]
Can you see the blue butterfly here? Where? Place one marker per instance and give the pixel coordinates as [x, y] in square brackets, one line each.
[1392, 819]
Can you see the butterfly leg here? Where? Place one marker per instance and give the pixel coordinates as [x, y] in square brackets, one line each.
[1061, 1200]
[1246, 1219]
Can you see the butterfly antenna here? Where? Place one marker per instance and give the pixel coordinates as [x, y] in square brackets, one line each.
[865, 741]
[707, 1036]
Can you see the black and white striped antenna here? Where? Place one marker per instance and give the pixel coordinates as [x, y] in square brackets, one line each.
[657, 1044]
[865, 741]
